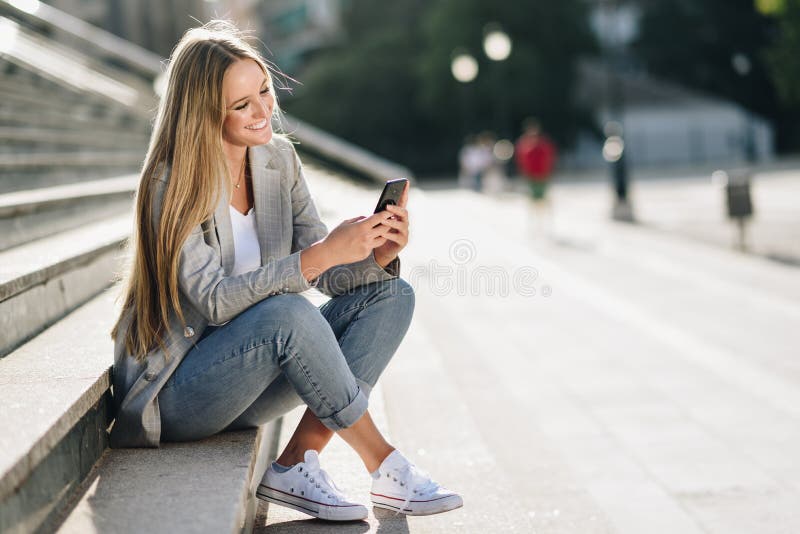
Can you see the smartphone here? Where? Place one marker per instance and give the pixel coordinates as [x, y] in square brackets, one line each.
[391, 194]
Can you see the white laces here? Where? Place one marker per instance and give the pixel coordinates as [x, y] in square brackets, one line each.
[415, 482]
[321, 481]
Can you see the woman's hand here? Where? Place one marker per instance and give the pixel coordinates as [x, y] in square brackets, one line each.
[397, 238]
[354, 239]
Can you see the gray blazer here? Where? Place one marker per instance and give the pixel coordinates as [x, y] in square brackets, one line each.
[287, 222]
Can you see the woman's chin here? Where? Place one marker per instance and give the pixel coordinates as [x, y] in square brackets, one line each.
[260, 138]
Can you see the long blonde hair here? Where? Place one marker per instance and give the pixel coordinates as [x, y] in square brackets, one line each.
[186, 146]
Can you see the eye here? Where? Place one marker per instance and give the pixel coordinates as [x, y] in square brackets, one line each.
[241, 106]
[265, 90]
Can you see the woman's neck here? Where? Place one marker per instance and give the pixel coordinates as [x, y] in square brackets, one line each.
[234, 156]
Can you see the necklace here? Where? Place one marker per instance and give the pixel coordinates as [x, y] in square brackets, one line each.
[241, 173]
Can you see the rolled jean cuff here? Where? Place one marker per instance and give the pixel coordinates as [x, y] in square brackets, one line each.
[366, 388]
[348, 415]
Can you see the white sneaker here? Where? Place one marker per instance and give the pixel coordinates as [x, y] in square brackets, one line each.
[405, 489]
[308, 489]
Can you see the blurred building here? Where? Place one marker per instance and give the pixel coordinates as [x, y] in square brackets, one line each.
[663, 123]
[667, 124]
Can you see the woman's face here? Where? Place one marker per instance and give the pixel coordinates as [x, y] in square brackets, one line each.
[249, 103]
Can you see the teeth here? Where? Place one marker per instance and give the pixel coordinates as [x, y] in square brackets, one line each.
[258, 125]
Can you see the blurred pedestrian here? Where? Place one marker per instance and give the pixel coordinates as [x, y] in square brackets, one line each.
[470, 163]
[536, 157]
[485, 159]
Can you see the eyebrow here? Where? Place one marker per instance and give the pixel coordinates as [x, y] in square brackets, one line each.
[266, 80]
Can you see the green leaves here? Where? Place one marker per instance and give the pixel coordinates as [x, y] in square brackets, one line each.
[389, 86]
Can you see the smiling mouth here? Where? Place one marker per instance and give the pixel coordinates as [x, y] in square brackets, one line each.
[258, 126]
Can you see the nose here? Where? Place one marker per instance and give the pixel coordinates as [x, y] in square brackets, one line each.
[264, 108]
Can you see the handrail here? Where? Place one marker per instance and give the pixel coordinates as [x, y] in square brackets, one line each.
[328, 146]
[341, 152]
[40, 13]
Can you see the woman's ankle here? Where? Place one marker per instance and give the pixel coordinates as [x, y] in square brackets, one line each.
[292, 455]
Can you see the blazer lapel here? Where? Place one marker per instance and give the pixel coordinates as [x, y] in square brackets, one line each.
[222, 223]
[268, 207]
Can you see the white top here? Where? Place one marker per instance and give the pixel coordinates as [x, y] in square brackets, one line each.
[247, 251]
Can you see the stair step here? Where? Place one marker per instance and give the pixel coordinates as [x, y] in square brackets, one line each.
[32, 214]
[53, 409]
[71, 158]
[202, 486]
[15, 135]
[43, 280]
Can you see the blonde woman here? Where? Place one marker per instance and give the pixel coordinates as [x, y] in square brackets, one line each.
[213, 334]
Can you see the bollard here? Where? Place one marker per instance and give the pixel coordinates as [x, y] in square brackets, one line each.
[738, 199]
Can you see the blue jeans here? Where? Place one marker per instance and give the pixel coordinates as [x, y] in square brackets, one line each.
[283, 352]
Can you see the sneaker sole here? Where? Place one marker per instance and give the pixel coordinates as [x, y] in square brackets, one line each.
[314, 509]
[438, 506]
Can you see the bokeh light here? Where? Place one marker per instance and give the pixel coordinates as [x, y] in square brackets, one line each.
[464, 67]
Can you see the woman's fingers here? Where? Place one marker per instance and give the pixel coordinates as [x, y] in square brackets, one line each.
[397, 225]
[397, 211]
[378, 230]
[376, 218]
[404, 197]
[396, 237]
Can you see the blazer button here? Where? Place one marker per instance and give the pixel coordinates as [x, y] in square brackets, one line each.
[188, 331]
[150, 376]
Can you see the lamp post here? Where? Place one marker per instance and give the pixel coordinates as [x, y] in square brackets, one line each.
[614, 36]
[464, 68]
[742, 66]
[497, 47]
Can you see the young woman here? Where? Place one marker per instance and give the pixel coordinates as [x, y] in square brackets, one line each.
[213, 334]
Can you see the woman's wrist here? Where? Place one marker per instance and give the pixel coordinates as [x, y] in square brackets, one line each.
[382, 260]
[315, 260]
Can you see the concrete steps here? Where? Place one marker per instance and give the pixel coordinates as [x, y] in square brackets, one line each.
[54, 410]
[55, 468]
[45, 279]
[29, 215]
[204, 486]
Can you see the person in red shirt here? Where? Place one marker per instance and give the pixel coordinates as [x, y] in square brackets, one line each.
[535, 156]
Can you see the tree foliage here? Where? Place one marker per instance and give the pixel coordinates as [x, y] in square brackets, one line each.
[783, 60]
[388, 86]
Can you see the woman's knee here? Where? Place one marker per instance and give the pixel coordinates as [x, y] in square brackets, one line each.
[400, 292]
[290, 310]
[402, 295]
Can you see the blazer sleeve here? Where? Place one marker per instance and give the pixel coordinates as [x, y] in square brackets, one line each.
[220, 298]
[308, 229]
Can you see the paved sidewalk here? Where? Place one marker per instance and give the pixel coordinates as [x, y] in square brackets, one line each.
[695, 207]
[611, 378]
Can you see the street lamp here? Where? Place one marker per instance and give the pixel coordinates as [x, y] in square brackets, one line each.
[742, 66]
[464, 67]
[496, 43]
[615, 33]
[497, 47]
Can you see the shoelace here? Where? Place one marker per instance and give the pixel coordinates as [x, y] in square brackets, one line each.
[416, 482]
[314, 474]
